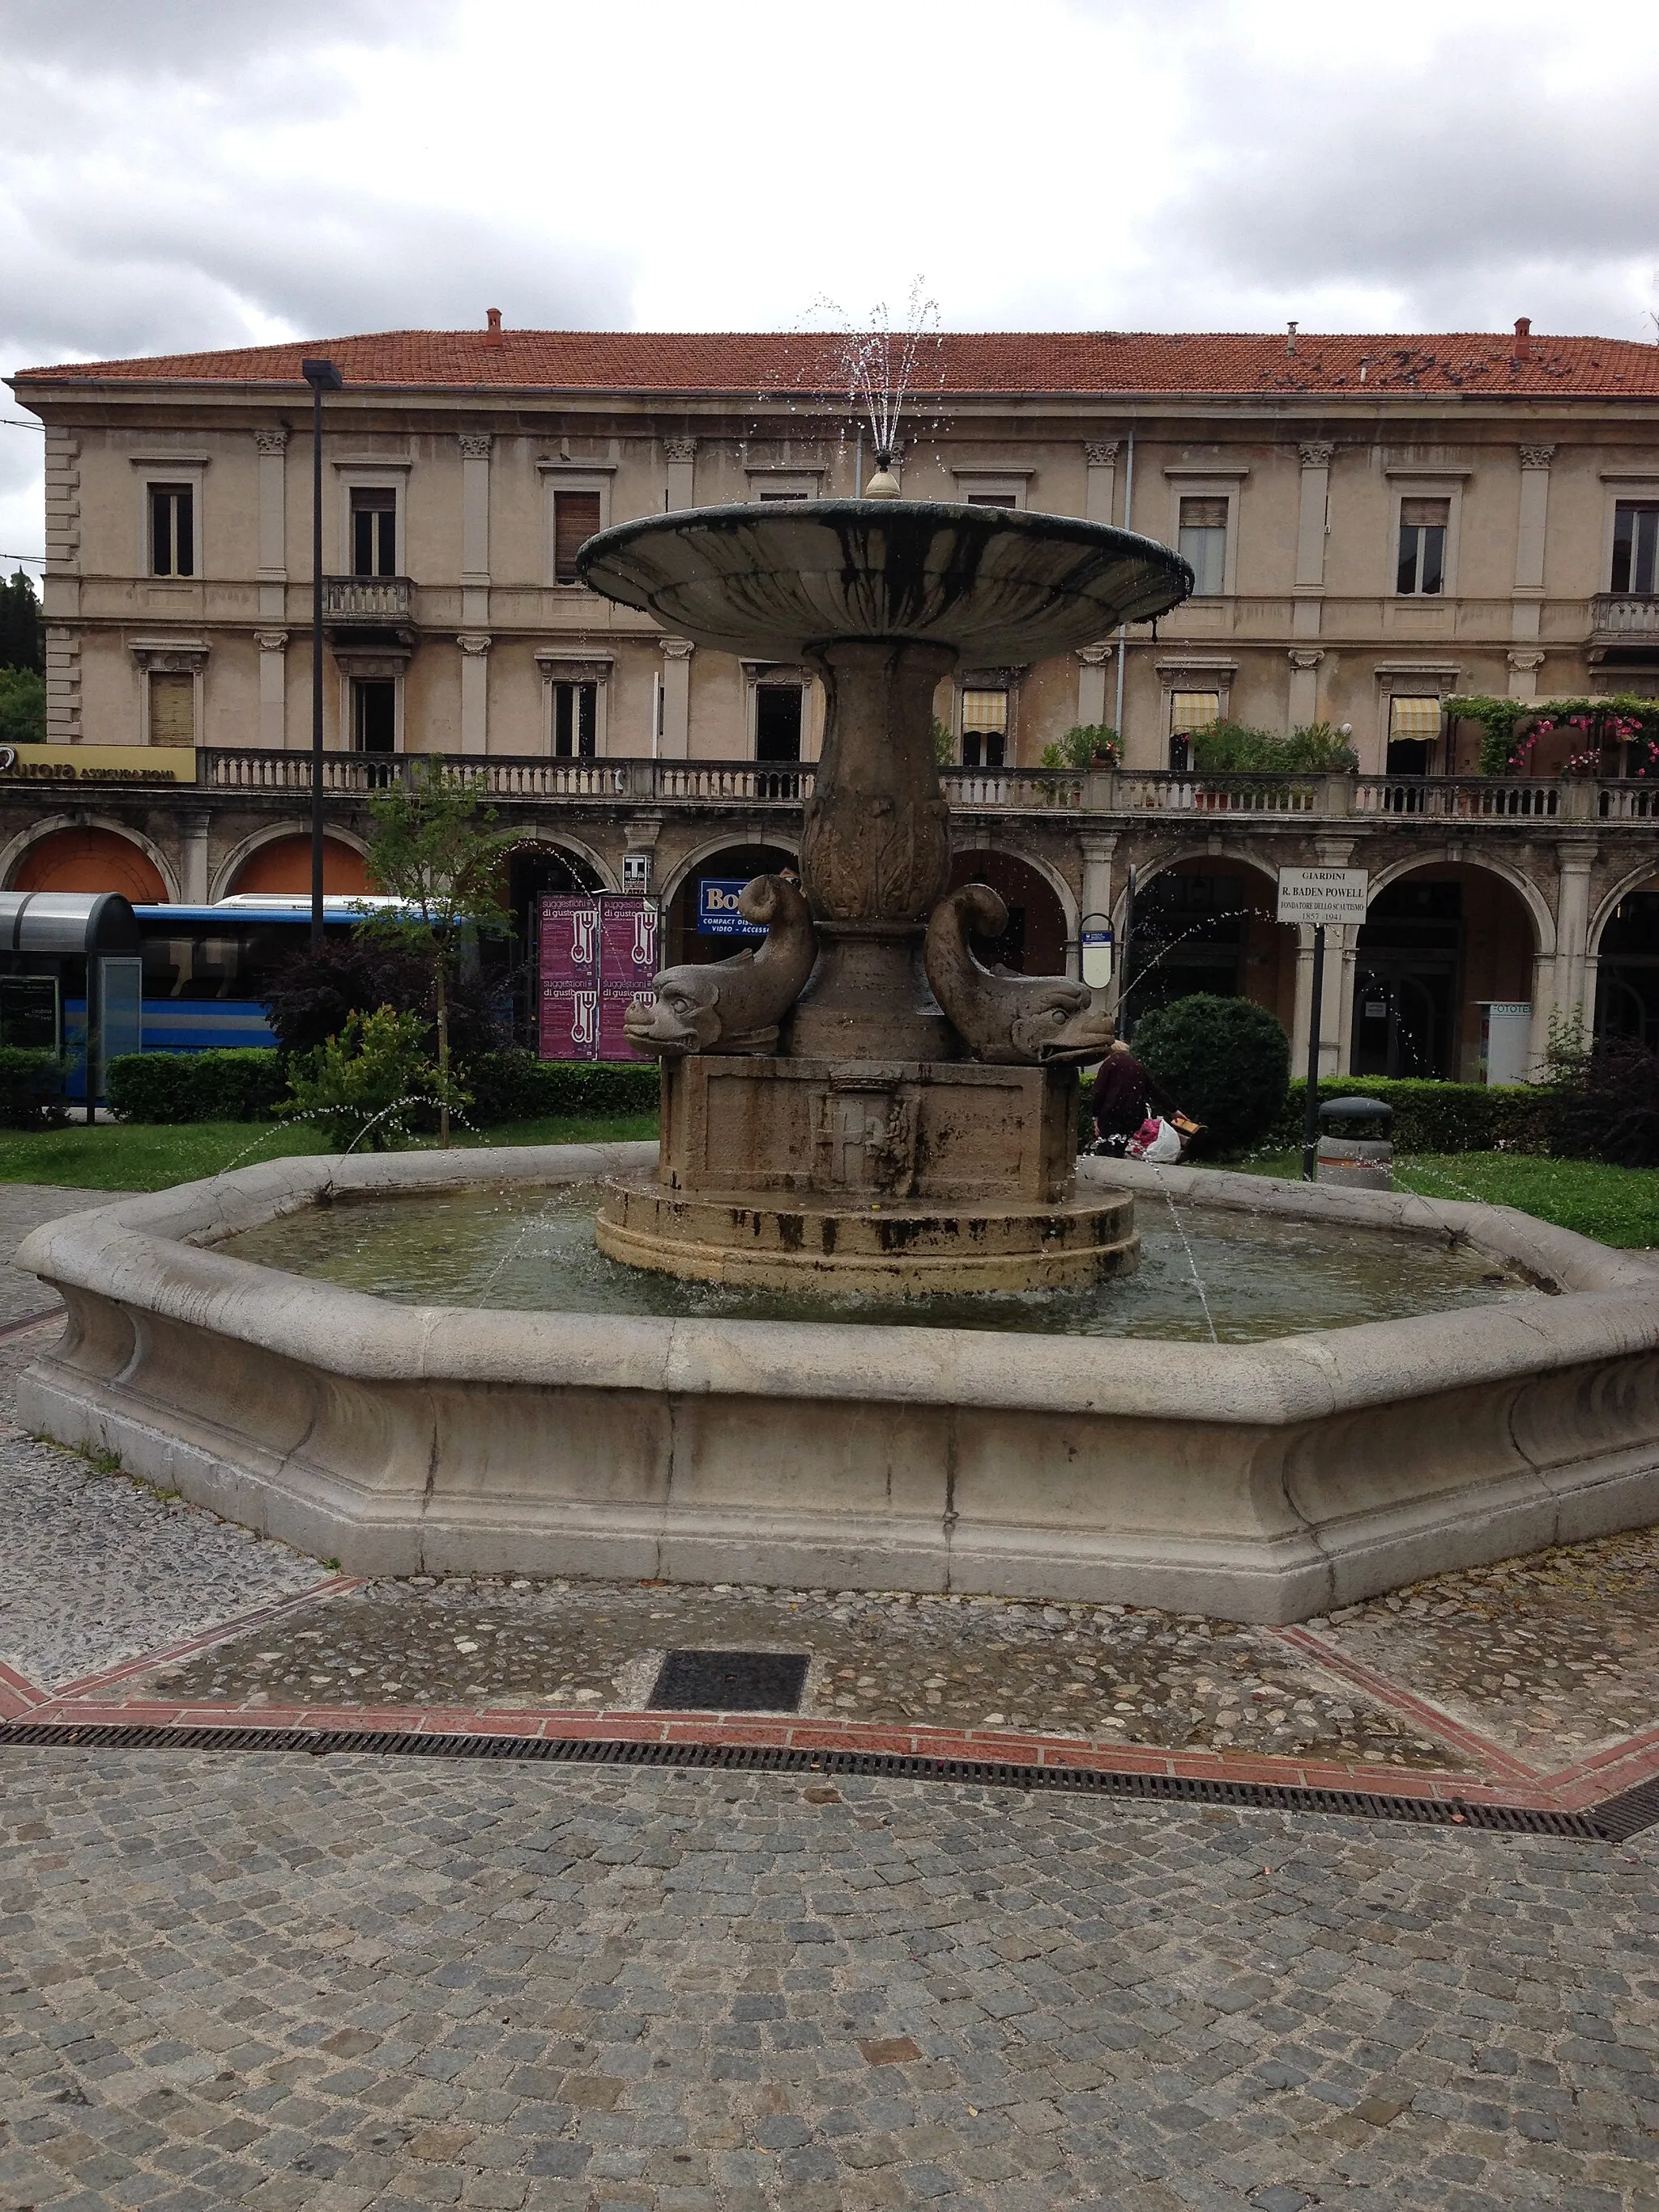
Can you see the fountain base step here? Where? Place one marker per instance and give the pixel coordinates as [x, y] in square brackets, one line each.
[886, 1246]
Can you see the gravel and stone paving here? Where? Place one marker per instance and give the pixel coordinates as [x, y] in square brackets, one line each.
[24, 1207]
[1551, 1657]
[277, 1981]
[1102, 1673]
[96, 1568]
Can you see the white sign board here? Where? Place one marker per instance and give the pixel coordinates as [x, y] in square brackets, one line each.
[1096, 957]
[1327, 896]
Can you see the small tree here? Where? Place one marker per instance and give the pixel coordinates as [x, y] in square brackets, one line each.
[1226, 1062]
[435, 850]
[362, 1084]
[22, 642]
[23, 707]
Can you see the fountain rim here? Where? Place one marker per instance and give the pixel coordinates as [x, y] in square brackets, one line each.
[168, 1237]
[916, 519]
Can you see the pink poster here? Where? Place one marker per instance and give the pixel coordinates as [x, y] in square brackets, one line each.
[596, 955]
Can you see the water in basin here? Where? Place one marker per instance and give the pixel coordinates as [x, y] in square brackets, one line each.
[532, 1250]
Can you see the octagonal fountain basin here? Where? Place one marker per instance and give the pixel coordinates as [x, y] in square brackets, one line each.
[501, 1400]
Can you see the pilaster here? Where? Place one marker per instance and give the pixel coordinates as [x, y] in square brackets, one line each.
[1574, 860]
[1097, 849]
[677, 653]
[193, 829]
[1100, 483]
[475, 690]
[1526, 600]
[681, 455]
[1313, 510]
[1304, 684]
[475, 529]
[273, 687]
[271, 446]
[1523, 673]
[1092, 684]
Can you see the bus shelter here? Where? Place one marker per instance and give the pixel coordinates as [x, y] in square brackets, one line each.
[71, 981]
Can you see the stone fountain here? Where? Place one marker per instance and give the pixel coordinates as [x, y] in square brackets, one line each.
[860, 1102]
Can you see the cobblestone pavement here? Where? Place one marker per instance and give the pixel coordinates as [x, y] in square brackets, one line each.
[276, 1981]
[1101, 1673]
[96, 1568]
[23, 1206]
[1552, 1656]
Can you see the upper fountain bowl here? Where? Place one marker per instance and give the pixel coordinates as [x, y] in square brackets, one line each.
[769, 581]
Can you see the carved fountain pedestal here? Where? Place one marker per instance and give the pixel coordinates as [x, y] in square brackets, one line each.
[859, 1103]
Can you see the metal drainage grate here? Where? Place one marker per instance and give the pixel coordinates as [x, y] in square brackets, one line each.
[729, 1682]
[1615, 1821]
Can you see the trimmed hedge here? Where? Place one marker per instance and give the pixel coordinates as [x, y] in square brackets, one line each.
[243, 1085]
[31, 1088]
[1436, 1117]
[516, 1086]
[1223, 1061]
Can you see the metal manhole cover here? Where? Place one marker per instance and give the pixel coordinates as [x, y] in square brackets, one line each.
[730, 1682]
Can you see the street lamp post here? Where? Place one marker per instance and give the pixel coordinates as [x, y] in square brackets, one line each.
[322, 376]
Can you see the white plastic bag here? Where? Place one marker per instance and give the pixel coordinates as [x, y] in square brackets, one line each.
[1155, 1140]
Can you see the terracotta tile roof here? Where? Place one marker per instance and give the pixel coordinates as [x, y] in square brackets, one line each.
[776, 364]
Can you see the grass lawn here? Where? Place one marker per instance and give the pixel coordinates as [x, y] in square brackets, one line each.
[150, 1156]
[1616, 1206]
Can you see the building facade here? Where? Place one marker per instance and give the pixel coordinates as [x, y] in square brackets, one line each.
[1375, 524]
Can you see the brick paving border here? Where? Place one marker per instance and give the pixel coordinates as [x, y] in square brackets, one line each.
[1572, 1790]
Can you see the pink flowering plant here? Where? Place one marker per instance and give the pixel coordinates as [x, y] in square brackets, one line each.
[1511, 730]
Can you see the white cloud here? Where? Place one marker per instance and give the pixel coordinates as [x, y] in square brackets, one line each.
[184, 174]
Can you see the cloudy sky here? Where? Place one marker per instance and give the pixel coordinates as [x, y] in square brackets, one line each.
[183, 173]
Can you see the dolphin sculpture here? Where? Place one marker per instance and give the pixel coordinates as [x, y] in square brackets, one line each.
[1022, 1020]
[735, 1005]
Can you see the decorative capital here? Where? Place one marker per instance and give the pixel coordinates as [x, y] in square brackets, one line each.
[1528, 663]
[678, 648]
[1306, 656]
[1536, 457]
[271, 640]
[1100, 455]
[1094, 656]
[473, 642]
[679, 449]
[476, 447]
[270, 442]
[1316, 453]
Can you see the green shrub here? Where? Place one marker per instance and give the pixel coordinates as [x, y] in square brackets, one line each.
[1236, 749]
[1438, 1117]
[245, 1084]
[1606, 1101]
[1224, 1062]
[516, 1086]
[1082, 745]
[31, 1088]
[367, 1086]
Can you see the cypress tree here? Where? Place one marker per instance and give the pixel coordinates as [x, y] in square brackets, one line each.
[21, 644]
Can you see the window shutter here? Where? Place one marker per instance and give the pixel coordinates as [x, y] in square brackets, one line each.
[1204, 515]
[1424, 514]
[575, 518]
[172, 708]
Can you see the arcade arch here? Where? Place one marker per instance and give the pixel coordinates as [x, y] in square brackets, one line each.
[90, 856]
[1203, 921]
[279, 861]
[1623, 948]
[1442, 940]
[683, 942]
[1041, 938]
